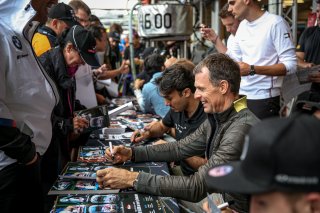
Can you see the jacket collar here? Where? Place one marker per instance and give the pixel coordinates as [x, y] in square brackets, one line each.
[47, 31]
[236, 107]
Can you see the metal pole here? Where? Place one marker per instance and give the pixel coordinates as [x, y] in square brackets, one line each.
[294, 20]
[273, 6]
[132, 64]
[215, 19]
[200, 12]
[280, 8]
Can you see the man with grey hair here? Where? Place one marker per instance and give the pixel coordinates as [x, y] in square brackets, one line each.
[217, 81]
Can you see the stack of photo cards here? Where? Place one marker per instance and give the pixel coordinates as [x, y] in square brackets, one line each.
[64, 186]
[80, 178]
[137, 123]
[92, 154]
[83, 170]
[116, 139]
[131, 203]
[114, 129]
[87, 171]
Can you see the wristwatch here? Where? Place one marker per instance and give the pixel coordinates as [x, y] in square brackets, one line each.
[134, 183]
[252, 70]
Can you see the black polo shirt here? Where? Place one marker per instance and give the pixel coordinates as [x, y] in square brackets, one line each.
[309, 43]
[185, 126]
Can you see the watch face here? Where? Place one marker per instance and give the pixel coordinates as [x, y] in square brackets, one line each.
[252, 71]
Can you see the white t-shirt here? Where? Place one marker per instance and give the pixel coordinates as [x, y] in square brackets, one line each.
[230, 41]
[262, 42]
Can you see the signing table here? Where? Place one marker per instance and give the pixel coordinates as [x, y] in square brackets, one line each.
[77, 190]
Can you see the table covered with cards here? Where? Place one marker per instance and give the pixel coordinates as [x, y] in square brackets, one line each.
[76, 187]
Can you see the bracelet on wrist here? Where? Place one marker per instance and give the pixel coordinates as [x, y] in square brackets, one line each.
[135, 182]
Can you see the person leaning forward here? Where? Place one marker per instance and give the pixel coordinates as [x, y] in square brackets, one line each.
[27, 98]
[217, 81]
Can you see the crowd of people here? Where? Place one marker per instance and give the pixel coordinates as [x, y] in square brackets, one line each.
[223, 112]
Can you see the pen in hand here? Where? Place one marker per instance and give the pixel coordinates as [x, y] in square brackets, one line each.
[111, 150]
[225, 205]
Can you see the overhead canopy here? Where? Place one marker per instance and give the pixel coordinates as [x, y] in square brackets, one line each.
[108, 4]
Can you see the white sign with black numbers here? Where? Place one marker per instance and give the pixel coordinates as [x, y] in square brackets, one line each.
[165, 20]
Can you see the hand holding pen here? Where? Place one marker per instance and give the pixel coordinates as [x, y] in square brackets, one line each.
[111, 150]
[117, 154]
[140, 134]
[211, 207]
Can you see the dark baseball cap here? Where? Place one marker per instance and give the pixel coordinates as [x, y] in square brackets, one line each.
[115, 36]
[85, 43]
[279, 154]
[63, 12]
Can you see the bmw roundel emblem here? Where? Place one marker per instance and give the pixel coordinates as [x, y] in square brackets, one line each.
[16, 42]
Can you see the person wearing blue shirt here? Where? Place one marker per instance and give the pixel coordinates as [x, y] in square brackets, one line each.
[149, 99]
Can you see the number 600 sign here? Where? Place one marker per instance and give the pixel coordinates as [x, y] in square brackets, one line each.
[159, 20]
[165, 20]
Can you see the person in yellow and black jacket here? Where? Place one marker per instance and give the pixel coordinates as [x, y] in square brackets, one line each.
[60, 18]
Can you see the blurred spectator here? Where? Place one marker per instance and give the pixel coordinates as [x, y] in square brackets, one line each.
[82, 12]
[231, 24]
[104, 72]
[308, 50]
[138, 48]
[60, 18]
[149, 99]
[116, 28]
[115, 55]
[85, 86]
[308, 47]
[95, 21]
[104, 55]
